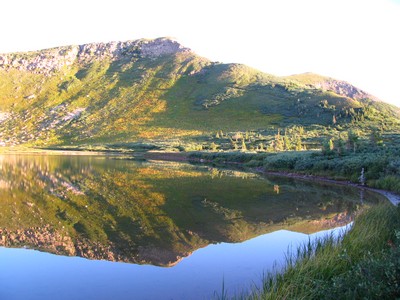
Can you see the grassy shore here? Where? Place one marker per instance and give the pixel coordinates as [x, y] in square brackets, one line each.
[362, 264]
[382, 170]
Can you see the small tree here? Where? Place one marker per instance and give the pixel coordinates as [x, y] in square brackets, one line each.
[244, 148]
[331, 145]
[271, 147]
[376, 138]
[213, 146]
[340, 146]
[327, 147]
[352, 140]
[278, 143]
[287, 143]
[298, 144]
[301, 130]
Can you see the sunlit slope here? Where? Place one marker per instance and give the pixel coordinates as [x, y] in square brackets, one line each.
[96, 94]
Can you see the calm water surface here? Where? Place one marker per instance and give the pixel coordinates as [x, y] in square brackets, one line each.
[150, 230]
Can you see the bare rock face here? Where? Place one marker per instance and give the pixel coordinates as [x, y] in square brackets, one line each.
[52, 60]
[161, 46]
[43, 62]
[343, 88]
[111, 50]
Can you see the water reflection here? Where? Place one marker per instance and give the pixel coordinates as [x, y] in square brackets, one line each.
[150, 212]
[34, 275]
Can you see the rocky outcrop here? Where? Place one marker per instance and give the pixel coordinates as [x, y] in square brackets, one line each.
[161, 46]
[343, 88]
[51, 60]
[44, 61]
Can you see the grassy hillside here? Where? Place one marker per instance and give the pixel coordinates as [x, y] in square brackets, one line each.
[102, 97]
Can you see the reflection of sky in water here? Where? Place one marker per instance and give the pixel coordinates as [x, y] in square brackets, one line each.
[28, 274]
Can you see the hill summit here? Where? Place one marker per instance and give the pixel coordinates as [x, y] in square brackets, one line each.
[154, 90]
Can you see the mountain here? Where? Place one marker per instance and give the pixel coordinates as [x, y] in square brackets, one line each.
[152, 90]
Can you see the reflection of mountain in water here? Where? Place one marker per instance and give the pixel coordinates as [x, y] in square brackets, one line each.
[155, 213]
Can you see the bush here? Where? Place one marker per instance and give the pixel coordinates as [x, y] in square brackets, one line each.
[373, 278]
[391, 183]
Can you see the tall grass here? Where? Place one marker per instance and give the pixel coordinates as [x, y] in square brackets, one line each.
[322, 268]
[390, 182]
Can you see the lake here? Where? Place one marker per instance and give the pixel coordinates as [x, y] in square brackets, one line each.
[108, 227]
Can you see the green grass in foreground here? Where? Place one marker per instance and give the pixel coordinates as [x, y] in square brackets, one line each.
[362, 264]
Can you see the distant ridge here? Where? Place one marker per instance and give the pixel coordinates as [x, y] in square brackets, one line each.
[339, 87]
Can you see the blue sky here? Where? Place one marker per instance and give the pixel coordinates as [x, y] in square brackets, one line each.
[353, 40]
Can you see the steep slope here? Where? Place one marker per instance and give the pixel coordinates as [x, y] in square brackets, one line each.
[158, 89]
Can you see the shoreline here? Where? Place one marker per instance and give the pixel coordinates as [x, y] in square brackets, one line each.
[392, 197]
[184, 157]
[43, 151]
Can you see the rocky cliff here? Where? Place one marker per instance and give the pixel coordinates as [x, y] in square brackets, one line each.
[51, 60]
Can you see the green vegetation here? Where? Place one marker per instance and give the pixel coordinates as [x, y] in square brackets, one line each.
[176, 101]
[342, 158]
[363, 264]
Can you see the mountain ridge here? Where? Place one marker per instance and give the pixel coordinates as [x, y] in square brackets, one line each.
[157, 90]
[53, 59]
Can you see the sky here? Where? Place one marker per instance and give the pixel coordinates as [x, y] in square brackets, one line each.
[353, 40]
